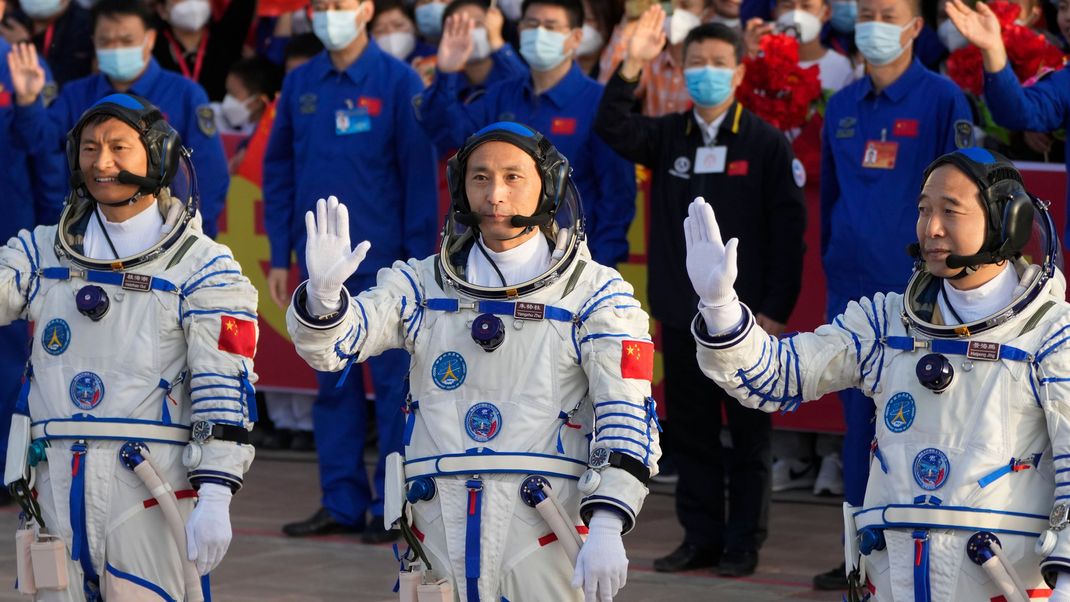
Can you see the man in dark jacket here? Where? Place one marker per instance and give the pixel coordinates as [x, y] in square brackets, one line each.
[746, 170]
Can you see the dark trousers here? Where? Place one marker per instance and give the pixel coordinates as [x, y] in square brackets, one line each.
[694, 404]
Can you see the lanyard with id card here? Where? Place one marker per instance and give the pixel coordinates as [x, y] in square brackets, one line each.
[710, 159]
[352, 121]
[880, 154]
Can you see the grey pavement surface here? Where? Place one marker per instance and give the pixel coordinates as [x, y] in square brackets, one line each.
[265, 566]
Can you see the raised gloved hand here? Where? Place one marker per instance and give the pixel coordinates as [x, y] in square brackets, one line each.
[1062, 589]
[328, 256]
[602, 566]
[711, 265]
[208, 528]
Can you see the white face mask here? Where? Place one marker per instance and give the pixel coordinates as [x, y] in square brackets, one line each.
[40, 9]
[734, 22]
[480, 45]
[950, 37]
[398, 44]
[592, 41]
[806, 24]
[680, 24]
[189, 15]
[236, 112]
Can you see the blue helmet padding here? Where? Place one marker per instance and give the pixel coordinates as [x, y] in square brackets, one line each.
[123, 100]
[508, 126]
[977, 154]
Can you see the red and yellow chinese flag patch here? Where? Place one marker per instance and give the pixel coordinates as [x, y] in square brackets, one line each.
[237, 336]
[637, 359]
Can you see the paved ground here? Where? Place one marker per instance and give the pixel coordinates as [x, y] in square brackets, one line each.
[265, 566]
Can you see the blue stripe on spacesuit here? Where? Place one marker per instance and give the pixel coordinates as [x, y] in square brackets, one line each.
[203, 387]
[156, 589]
[858, 343]
[416, 318]
[36, 261]
[625, 427]
[80, 538]
[921, 566]
[202, 312]
[34, 284]
[472, 538]
[1045, 351]
[587, 312]
[621, 415]
[618, 402]
[786, 357]
[204, 267]
[611, 335]
[599, 291]
[192, 288]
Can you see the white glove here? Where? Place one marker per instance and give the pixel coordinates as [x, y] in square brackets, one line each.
[711, 265]
[208, 528]
[1062, 589]
[602, 566]
[328, 256]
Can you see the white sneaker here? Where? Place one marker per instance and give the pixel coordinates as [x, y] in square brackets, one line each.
[830, 476]
[790, 473]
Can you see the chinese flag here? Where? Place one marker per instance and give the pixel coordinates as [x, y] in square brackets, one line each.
[637, 359]
[237, 336]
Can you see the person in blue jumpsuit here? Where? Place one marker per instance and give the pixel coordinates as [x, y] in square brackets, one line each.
[1042, 107]
[344, 126]
[27, 202]
[556, 99]
[880, 133]
[123, 35]
[488, 63]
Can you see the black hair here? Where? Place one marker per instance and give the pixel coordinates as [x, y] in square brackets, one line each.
[302, 46]
[385, 6]
[122, 8]
[574, 8]
[716, 31]
[258, 75]
[455, 5]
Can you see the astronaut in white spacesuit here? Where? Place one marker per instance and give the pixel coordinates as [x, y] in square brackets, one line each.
[139, 392]
[970, 372]
[530, 411]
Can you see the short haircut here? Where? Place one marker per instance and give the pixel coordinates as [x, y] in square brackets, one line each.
[121, 8]
[453, 7]
[258, 75]
[716, 31]
[302, 46]
[574, 8]
[384, 6]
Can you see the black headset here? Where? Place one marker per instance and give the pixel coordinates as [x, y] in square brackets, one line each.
[161, 141]
[1008, 207]
[553, 168]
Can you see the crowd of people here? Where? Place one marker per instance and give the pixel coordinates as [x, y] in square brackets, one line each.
[383, 104]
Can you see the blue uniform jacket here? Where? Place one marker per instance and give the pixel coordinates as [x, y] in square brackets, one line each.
[565, 114]
[28, 200]
[1042, 107]
[183, 103]
[505, 65]
[868, 215]
[352, 134]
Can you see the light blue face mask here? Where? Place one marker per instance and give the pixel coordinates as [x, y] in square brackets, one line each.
[429, 19]
[121, 64]
[542, 49]
[844, 15]
[879, 42]
[709, 86]
[335, 28]
[40, 9]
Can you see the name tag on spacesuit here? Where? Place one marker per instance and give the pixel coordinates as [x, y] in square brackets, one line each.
[137, 282]
[351, 121]
[980, 350]
[529, 311]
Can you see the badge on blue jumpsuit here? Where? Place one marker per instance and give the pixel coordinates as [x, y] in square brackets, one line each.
[56, 336]
[899, 412]
[87, 390]
[449, 370]
[931, 468]
[483, 422]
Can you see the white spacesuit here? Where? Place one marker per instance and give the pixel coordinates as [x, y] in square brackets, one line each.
[128, 354]
[512, 388]
[972, 447]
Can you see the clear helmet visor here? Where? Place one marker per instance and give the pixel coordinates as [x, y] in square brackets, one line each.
[177, 203]
[565, 232]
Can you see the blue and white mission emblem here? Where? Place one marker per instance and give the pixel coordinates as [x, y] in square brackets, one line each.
[87, 390]
[899, 412]
[449, 370]
[55, 337]
[931, 468]
[483, 422]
